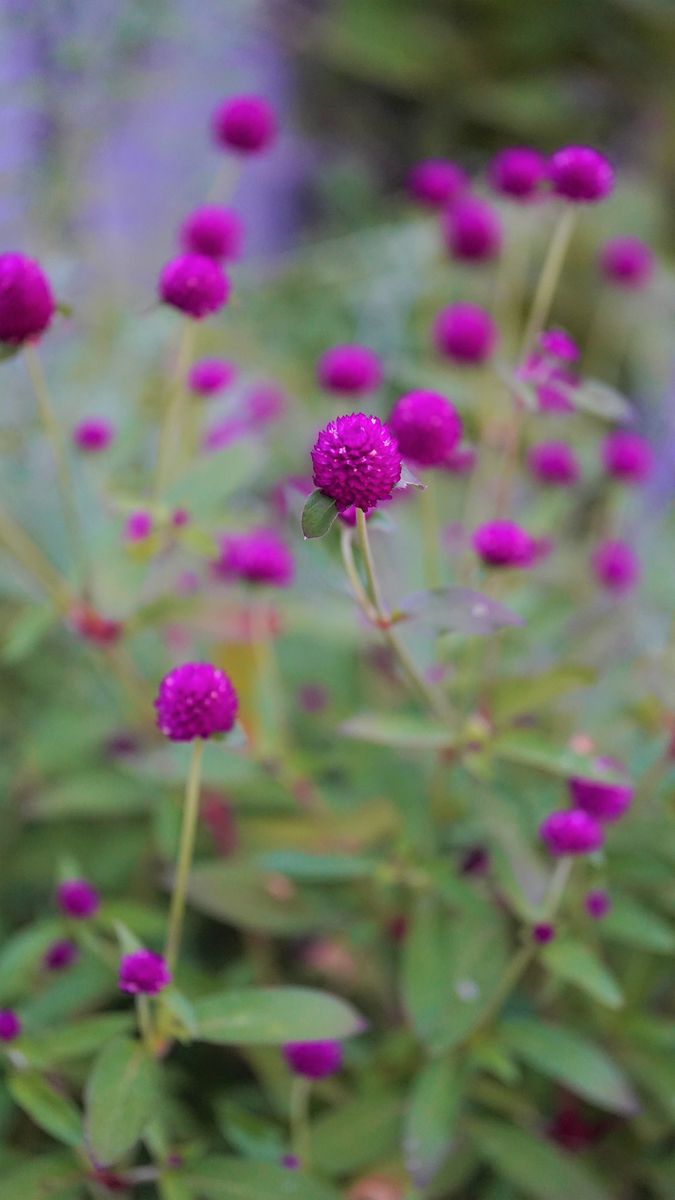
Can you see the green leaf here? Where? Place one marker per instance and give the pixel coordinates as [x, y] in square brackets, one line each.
[459, 610]
[573, 1060]
[44, 1177]
[409, 480]
[577, 964]
[601, 400]
[317, 868]
[519, 694]
[656, 1074]
[22, 954]
[49, 1109]
[423, 970]
[630, 922]
[73, 1041]
[121, 1096]
[529, 750]
[398, 730]
[318, 515]
[221, 1178]
[248, 1133]
[237, 893]
[536, 1167]
[213, 478]
[431, 1119]
[272, 1016]
[357, 1133]
[26, 632]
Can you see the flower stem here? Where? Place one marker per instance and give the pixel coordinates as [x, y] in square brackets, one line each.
[171, 429]
[185, 853]
[300, 1138]
[144, 1021]
[430, 534]
[360, 594]
[550, 275]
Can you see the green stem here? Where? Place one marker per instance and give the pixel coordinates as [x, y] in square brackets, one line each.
[360, 594]
[550, 274]
[369, 565]
[300, 1134]
[171, 429]
[144, 1016]
[185, 853]
[430, 534]
[557, 884]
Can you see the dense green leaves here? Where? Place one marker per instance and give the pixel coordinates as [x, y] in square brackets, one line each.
[121, 1095]
[577, 964]
[239, 894]
[45, 1177]
[236, 1179]
[355, 1134]
[430, 1123]
[47, 1107]
[536, 1168]
[573, 1060]
[272, 1016]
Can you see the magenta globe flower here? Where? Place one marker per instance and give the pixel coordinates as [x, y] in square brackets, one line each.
[597, 903]
[143, 973]
[350, 370]
[558, 344]
[26, 301]
[426, 427]
[465, 333]
[553, 464]
[60, 955]
[518, 173]
[616, 566]
[503, 544]
[626, 262]
[571, 831]
[472, 230]
[210, 375]
[259, 557]
[604, 801]
[10, 1025]
[213, 231]
[244, 124]
[543, 933]
[93, 435]
[195, 700]
[313, 1060]
[194, 284]
[77, 898]
[627, 457]
[138, 526]
[581, 175]
[436, 182]
[356, 461]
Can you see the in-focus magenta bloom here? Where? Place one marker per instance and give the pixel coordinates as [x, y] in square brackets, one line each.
[313, 1060]
[351, 370]
[77, 898]
[138, 526]
[597, 903]
[543, 933]
[195, 700]
[571, 831]
[214, 231]
[436, 182]
[60, 955]
[26, 301]
[581, 174]
[356, 460]
[553, 463]
[245, 124]
[472, 230]
[518, 172]
[93, 434]
[615, 566]
[503, 544]
[465, 333]
[194, 284]
[258, 557]
[210, 375]
[627, 457]
[604, 801]
[10, 1025]
[626, 262]
[426, 427]
[143, 973]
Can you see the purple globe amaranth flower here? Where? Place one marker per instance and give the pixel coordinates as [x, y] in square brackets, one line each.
[436, 182]
[351, 369]
[258, 557]
[93, 434]
[291, 1162]
[553, 463]
[194, 284]
[472, 230]
[60, 955]
[356, 460]
[597, 903]
[627, 457]
[264, 403]
[214, 231]
[313, 1060]
[518, 173]
[571, 831]
[143, 973]
[465, 333]
[503, 544]
[26, 301]
[195, 700]
[426, 427]
[626, 262]
[77, 898]
[10, 1025]
[138, 526]
[543, 933]
[210, 375]
[604, 801]
[245, 124]
[558, 344]
[581, 174]
[615, 566]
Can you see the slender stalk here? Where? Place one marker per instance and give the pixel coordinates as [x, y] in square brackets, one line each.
[171, 429]
[369, 565]
[431, 534]
[550, 274]
[360, 594]
[144, 1017]
[300, 1135]
[185, 853]
[557, 885]
[30, 557]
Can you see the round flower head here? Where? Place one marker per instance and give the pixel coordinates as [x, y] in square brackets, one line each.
[259, 557]
[93, 435]
[604, 801]
[581, 174]
[597, 904]
[195, 700]
[245, 124]
[436, 182]
[210, 375]
[518, 173]
[627, 456]
[626, 262]
[558, 344]
[194, 284]
[143, 973]
[138, 526]
[542, 934]
[571, 831]
[356, 461]
[77, 898]
[553, 463]
[60, 955]
[351, 370]
[426, 427]
[503, 544]
[472, 230]
[314, 1060]
[26, 300]
[10, 1025]
[465, 333]
[616, 566]
[213, 231]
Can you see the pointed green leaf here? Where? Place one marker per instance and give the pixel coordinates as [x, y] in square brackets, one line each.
[49, 1109]
[121, 1097]
[44, 1177]
[318, 515]
[431, 1119]
[634, 924]
[397, 729]
[358, 1133]
[221, 1178]
[272, 1016]
[537, 1168]
[573, 1060]
[577, 964]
